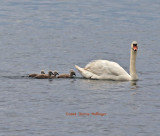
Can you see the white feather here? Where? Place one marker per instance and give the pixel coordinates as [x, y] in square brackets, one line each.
[104, 69]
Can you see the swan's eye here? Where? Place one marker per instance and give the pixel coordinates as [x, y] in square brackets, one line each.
[134, 45]
[135, 48]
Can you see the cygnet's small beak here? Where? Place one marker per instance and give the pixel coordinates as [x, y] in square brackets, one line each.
[56, 73]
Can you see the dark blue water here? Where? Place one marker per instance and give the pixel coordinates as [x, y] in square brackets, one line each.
[56, 35]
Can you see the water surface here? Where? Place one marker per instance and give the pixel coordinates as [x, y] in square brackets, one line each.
[56, 35]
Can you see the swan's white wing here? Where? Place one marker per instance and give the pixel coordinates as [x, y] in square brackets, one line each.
[105, 67]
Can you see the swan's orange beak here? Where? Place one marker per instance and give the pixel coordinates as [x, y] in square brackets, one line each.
[135, 48]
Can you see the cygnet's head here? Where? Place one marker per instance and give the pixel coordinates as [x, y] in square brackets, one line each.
[50, 73]
[72, 72]
[42, 72]
[134, 46]
[55, 73]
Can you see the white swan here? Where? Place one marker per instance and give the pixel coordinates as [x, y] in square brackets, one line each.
[104, 69]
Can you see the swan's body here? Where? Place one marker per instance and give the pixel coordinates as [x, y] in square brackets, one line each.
[104, 69]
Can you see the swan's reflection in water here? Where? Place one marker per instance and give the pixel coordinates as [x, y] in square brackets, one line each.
[134, 84]
[90, 84]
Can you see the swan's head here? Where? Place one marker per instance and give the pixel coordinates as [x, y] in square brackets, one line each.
[134, 46]
[42, 72]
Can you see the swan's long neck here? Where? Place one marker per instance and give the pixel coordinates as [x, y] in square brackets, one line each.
[133, 73]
